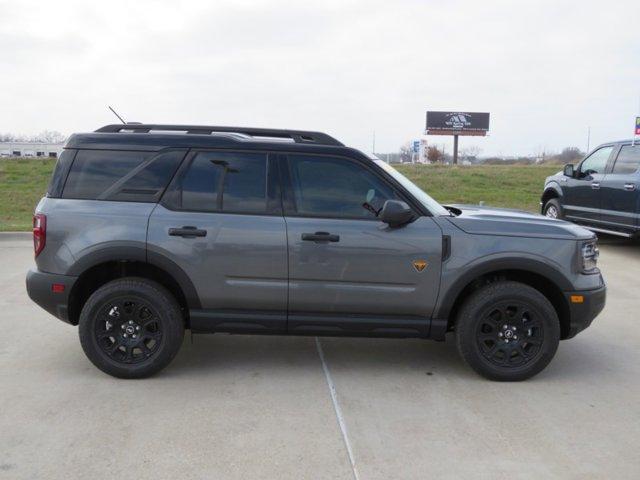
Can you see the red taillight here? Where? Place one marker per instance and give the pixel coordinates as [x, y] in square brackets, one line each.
[39, 232]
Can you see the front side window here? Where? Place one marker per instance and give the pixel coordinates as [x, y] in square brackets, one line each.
[628, 160]
[225, 182]
[336, 187]
[596, 162]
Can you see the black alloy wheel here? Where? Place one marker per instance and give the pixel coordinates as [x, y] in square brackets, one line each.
[131, 327]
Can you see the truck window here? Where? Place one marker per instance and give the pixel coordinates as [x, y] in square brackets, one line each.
[597, 161]
[628, 160]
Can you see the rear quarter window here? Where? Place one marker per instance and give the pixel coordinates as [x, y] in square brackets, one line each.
[121, 175]
[54, 189]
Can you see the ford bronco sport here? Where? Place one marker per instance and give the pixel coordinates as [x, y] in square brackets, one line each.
[148, 230]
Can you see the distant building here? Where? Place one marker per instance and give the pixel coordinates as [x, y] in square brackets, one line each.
[30, 149]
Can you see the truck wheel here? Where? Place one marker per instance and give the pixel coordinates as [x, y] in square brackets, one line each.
[131, 328]
[552, 209]
[507, 331]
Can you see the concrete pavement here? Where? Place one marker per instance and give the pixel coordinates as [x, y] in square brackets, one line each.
[261, 407]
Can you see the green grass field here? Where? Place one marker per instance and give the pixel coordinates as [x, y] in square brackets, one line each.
[24, 181]
[22, 184]
[496, 185]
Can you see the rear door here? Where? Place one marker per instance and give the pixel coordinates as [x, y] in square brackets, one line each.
[349, 273]
[221, 223]
[582, 197]
[620, 190]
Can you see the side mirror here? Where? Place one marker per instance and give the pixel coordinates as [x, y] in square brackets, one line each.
[395, 213]
[569, 170]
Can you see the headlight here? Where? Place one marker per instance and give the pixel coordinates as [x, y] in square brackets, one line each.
[589, 255]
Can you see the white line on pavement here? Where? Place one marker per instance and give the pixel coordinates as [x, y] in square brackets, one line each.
[336, 408]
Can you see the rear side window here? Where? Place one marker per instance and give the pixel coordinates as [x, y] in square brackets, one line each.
[121, 176]
[54, 190]
[224, 182]
[628, 160]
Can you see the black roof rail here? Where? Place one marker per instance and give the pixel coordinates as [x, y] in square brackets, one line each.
[298, 136]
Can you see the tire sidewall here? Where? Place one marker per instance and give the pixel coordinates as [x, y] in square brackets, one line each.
[485, 299]
[167, 312]
[556, 204]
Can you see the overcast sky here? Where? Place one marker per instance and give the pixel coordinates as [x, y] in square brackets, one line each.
[546, 70]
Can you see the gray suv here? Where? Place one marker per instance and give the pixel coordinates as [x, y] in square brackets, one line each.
[148, 230]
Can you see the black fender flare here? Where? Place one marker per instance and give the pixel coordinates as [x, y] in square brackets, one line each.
[486, 266]
[551, 187]
[137, 252]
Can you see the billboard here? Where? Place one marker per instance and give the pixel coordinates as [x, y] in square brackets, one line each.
[457, 123]
[638, 126]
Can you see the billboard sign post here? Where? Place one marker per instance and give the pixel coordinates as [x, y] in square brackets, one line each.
[456, 124]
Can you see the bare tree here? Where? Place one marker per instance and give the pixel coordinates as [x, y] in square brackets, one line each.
[47, 136]
[470, 152]
[434, 155]
[406, 152]
[50, 136]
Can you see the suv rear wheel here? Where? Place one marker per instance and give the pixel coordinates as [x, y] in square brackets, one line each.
[507, 331]
[131, 328]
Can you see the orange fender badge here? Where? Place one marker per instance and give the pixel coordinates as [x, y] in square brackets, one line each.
[419, 265]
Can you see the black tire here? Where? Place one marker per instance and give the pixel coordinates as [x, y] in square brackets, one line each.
[553, 205]
[485, 320]
[142, 311]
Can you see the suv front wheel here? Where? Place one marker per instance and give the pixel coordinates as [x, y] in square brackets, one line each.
[507, 331]
[552, 209]
[131, 328]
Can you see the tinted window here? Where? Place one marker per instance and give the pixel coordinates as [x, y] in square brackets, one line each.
[148, 180]
[628, 160]
[95, 171]
[60, 173]
[336, 187]
[227, 182]
[597, 161]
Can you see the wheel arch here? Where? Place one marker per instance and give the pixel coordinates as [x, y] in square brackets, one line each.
[538, 275]
[101, 267]
[552, 190]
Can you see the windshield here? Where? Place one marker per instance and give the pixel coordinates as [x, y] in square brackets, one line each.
[434, 207]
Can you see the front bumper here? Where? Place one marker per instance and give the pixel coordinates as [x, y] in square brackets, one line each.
[40, 289]
[582, 314]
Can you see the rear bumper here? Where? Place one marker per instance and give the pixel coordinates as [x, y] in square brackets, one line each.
[582, 314]
[40, 290]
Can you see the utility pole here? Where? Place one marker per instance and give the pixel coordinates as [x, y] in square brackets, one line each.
[373, 146]
[588, 138]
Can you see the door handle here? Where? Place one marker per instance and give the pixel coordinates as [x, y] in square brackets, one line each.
[320, 237]
[595, 185]
[187, 232]
[630, 186]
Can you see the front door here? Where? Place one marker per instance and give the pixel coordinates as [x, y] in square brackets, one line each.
[221, 223]
[620, 191]
[581, 194]
[349, 273]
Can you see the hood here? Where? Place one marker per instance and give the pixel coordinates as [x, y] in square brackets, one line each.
[503, 221]
[554, 177]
